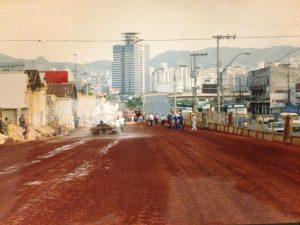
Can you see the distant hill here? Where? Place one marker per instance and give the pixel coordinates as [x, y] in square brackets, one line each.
[226, 55]
[41, 63]
[170, 57]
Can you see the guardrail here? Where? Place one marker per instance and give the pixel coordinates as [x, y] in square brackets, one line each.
[257, 126]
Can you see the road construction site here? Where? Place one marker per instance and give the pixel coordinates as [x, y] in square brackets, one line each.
[150, 175]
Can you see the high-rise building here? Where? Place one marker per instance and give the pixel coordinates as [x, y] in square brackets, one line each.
[130, 69]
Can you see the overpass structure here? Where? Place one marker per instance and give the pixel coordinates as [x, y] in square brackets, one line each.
[239, 96]
[162, 103]
[157, 103]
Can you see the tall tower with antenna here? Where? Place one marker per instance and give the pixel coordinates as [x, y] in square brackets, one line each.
[130, 69]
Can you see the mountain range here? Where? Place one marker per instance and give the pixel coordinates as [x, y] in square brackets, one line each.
[226, 54]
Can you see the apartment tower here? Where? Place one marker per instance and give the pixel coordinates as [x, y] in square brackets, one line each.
[130, 69]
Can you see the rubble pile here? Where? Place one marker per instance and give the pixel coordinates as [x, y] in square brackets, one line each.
[15, 133]
[41, 132]
[2, 138]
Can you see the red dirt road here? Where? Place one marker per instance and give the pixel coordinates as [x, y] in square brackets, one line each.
[150, 175]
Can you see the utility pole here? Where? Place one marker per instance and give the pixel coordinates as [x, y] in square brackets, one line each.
[288, 83]
[194, 75]
[287, 65]
[218, 37]
[240, 84]
[175, 100]
[75, 73]
[225, 69]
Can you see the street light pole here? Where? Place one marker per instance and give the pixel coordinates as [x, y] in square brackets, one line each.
[195, 78]
[220, 85]
[75, 73]
[218, 37]
[175, 97]
[287, 65]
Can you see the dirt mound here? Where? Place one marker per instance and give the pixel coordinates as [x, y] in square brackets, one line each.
[15, 133]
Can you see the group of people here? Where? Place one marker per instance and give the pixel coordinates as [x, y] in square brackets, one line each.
[4, 126]
[175, 121]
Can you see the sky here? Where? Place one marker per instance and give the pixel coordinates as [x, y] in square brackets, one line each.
[99, 24]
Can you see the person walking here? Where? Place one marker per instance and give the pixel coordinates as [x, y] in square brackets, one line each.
[180, 121]
[26, 130]
[163, 118]
[22, 121]
[151, 118]
[194, 122]
[156, 118]
[169, 121]
[176, 121]
[122, 123]
[147, 119]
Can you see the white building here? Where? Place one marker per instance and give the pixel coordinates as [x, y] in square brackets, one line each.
[130, 69]
[22, 92]
[206, 76]
[235, 78]
[185, 77]
[162, 79]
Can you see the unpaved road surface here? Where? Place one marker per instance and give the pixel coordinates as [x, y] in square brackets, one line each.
[150, 175]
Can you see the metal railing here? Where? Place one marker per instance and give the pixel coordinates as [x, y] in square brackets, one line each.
[259, 126]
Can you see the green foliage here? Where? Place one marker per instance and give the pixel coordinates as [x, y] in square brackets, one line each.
[111, 98]
[134, 103]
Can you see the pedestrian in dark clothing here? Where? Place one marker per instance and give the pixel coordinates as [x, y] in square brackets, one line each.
[26, 130]
[156, 118]
[180, 121]
[22, 121]
[169, 121]
[76, 121]
[175, 118]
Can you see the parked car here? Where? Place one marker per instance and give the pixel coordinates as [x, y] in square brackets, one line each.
[294, 117]
[296, 123]
[243, 122]
[278, 127]
[266, 119]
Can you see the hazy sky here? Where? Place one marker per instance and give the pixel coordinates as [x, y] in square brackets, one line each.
[153, 19]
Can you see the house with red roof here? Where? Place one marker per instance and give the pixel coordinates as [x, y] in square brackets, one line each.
[62, 97]
[56, 77]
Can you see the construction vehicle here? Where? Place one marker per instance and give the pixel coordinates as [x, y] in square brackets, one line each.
[102, 128]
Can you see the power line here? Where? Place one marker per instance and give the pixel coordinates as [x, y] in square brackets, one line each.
[149, 40]
[265, 37]
[284, 32]
[297, 49]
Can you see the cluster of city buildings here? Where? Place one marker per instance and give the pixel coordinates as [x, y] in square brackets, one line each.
[45, 96]
[266, 89]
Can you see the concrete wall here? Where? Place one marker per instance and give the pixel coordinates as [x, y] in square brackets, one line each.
[64, 112]
[38, 110]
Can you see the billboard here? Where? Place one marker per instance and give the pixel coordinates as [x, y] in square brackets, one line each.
[209, 88]
[278, 100]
